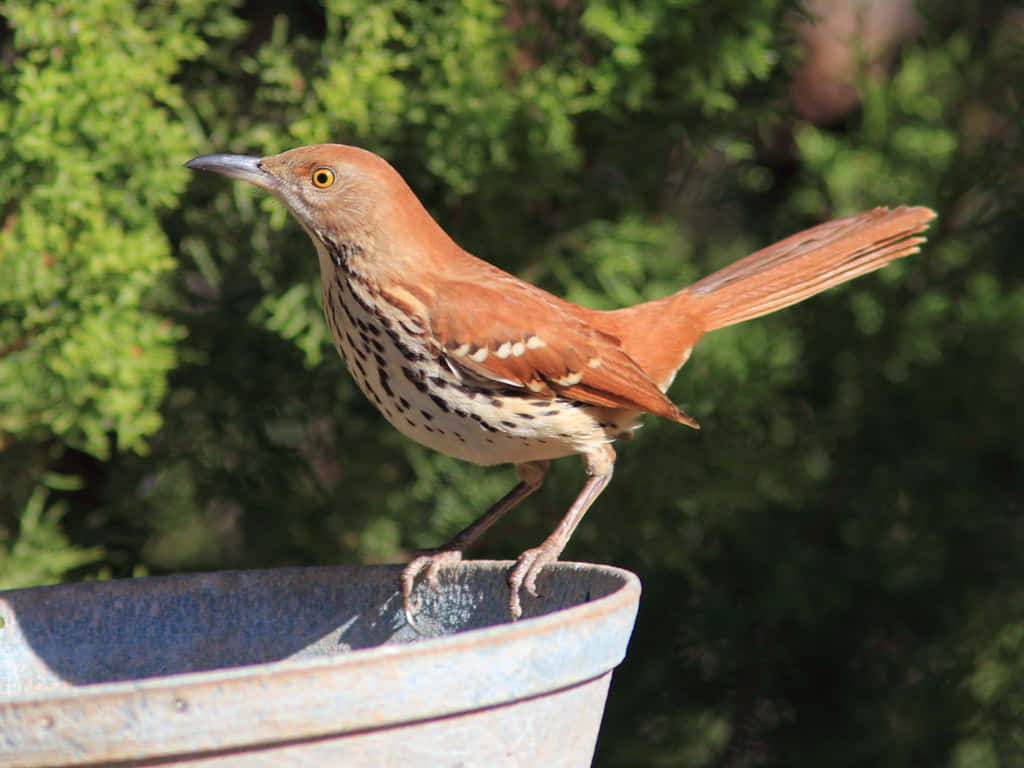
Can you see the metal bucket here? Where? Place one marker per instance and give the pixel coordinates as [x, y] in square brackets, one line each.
[311, 666]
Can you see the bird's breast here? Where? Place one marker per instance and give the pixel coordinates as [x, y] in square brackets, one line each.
[396, 363]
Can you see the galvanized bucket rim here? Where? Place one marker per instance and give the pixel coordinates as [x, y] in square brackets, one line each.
[538, 655]
[507, 632]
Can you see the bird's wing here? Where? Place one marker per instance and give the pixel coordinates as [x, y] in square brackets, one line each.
[523, 337]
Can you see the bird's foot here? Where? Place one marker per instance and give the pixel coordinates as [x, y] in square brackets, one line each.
[525, 572]
[430, 563]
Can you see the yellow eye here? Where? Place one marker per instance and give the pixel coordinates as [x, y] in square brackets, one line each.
[323, 178]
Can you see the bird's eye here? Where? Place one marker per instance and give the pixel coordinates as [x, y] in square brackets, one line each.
[323, 178]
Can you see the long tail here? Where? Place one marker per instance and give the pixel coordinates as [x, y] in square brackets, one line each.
[805, 264]
[660, 334]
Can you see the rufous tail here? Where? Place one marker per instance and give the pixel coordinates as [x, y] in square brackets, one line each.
[660, 334]
[805, 264]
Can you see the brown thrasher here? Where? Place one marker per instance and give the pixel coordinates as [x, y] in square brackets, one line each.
[473, 362]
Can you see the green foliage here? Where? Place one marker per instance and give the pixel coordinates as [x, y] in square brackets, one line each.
[41, 553]
[89, 143]
[831, 565]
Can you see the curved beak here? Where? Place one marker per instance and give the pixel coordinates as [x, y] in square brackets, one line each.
[242, 167]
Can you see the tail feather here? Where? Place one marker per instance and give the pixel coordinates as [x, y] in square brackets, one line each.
[805, 264]
[659, 335]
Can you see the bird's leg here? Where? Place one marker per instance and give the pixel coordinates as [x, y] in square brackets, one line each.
[524, 573]
[430, 562]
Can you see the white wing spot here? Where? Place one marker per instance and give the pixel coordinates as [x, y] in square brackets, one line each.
[518, 348]
[479, 356]
[461, 350]
[535, 342]
[594, 362]
[504, 350]
[570, 379]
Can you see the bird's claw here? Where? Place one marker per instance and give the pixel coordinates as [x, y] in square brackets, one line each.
[430, 563]
[524, 576]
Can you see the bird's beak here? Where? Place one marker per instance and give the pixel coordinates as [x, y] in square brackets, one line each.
[242, 167]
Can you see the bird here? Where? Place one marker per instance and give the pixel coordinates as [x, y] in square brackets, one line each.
[478, 364]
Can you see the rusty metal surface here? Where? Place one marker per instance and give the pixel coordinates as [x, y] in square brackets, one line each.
[310, 666]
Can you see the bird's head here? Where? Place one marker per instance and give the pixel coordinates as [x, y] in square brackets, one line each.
[339, 194]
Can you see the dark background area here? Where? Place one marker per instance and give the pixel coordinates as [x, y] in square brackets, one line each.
[831, 566]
